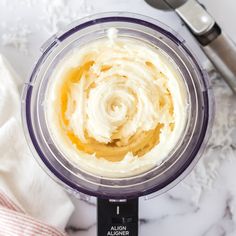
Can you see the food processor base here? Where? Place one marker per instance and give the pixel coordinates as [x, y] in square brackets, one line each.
[117, 217]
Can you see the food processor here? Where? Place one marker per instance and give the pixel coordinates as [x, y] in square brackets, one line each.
[117, 205]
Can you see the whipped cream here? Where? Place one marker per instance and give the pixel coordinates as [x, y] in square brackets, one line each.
[116, 107]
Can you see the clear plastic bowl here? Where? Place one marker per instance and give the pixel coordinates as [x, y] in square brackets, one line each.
[186, 153]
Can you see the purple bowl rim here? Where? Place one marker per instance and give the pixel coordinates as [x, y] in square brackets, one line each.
[69, 183]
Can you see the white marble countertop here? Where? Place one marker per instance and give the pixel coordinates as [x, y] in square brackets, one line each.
[204, 204]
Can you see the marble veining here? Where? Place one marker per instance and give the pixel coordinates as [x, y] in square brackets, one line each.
[204, 204]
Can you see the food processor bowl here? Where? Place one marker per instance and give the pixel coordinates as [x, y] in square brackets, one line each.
[180, 160]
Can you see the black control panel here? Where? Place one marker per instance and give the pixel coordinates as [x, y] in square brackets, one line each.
[117, 217]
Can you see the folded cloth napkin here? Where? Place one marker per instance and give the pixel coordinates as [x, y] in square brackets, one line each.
[14, 221]
[21, 178]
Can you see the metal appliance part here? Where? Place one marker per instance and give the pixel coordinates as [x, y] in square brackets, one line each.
[218, 47]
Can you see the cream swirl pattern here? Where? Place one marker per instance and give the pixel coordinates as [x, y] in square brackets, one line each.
[116, 107]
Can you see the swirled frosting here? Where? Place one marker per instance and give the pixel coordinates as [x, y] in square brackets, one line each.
[116, 107]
